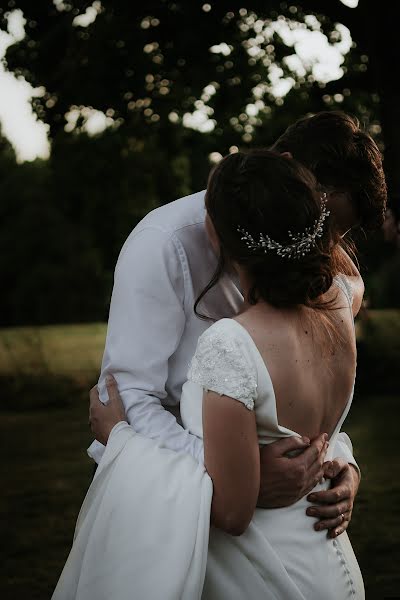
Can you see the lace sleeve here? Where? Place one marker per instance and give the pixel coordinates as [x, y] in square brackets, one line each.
[221, 365]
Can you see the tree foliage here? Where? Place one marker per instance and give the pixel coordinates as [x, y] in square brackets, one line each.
[150, 67]
[153, 59]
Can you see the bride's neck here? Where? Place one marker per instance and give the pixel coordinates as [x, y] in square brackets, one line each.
[246, 285]
[262, 306]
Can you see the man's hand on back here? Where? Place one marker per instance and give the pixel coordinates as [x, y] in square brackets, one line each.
[334, 507]
[285, 479]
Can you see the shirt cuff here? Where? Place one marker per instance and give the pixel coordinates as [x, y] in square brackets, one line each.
[344, 449]
[96, 448]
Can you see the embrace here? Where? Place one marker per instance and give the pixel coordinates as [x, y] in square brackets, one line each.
[228, 372]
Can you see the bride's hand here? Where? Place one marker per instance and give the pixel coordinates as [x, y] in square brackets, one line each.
[103, 417]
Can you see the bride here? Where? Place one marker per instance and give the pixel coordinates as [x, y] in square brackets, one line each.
[284, 366]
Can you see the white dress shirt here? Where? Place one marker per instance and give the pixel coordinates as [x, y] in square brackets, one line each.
[152, 333]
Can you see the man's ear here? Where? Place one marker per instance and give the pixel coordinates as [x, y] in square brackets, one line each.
[287, 154]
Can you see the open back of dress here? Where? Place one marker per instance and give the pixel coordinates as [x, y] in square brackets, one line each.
[280, 555]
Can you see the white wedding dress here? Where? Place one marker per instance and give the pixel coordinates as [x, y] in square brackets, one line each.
[143, 531]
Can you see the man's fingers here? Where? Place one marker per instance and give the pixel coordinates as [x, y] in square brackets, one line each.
[316, 452]
[333, 524]
[336, 531]
[94, 394]
[332, 511]
[112, 388]
[335, 518]
[333, 508]
[333, 496]
[94, 399]
[282, 447]
[334, 467]
[315, 473]
[307, 467]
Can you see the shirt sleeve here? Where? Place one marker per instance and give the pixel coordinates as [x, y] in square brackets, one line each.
[145, 326]
[221, 364]
[343, 448]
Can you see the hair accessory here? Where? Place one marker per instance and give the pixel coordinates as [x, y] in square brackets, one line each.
[301, 243]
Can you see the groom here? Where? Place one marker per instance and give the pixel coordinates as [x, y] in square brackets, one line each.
[164, 266]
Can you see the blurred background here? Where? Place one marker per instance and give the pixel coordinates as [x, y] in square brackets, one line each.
[109, 109]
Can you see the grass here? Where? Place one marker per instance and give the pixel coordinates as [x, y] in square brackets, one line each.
[45, 374]
[383, 325]
[47, 474]
[45, 478]
[44, 436]
[76, 350]
[375, 528]
[71, 350]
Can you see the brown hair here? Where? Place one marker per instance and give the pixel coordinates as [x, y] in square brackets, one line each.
[343, 157]
[262, 191]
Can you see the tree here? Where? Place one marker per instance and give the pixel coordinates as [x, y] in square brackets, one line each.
[147, 64]
[138, 52]
[373, 26]
[150, 68]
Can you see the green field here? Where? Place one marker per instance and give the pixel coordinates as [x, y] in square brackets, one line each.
[71, 350]
[76, 350]
[46, 472]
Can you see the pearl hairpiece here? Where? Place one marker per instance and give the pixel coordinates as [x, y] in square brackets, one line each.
[301, 243]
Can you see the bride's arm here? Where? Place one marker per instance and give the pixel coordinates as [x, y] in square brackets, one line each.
[232, 459]
[231, 452]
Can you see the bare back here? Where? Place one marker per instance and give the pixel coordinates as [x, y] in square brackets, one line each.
[312, 374]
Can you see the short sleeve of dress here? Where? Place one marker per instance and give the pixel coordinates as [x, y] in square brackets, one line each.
[342, 282]
[221, 364]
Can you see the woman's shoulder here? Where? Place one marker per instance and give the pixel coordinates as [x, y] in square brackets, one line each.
[226, 332]
[238, 338]
[349, 280]
[352, 286]
[225, 327]
[222, 362]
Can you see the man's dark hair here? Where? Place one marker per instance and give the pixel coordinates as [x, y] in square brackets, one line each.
[342, 157]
